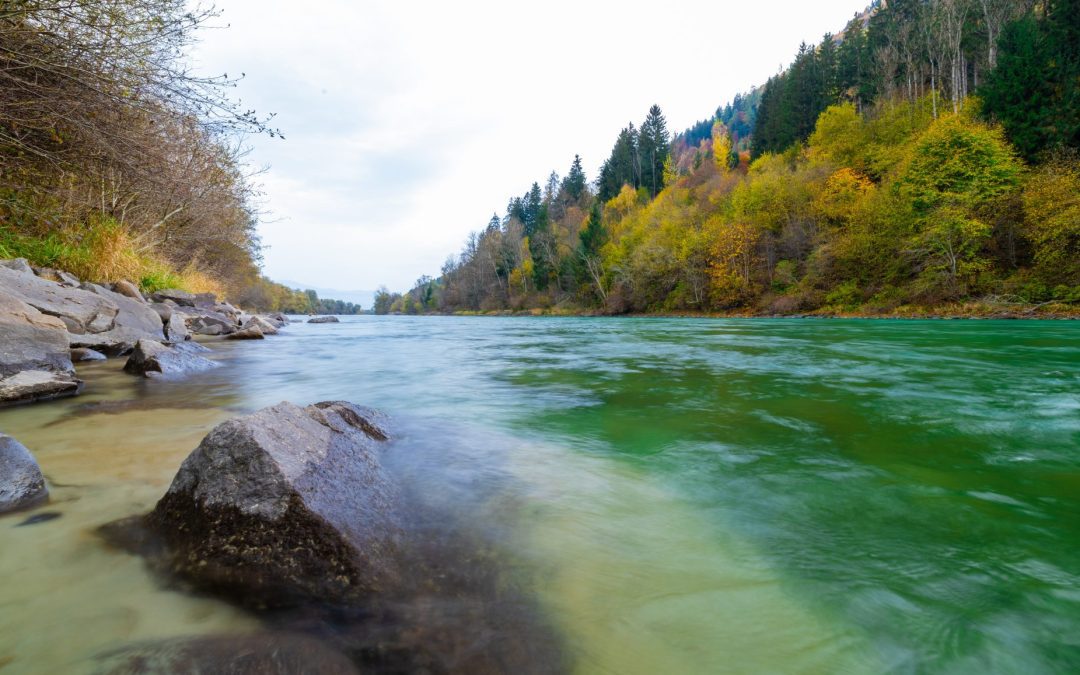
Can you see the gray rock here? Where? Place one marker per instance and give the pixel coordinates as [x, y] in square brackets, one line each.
[246, 333]
[154, 359]
[105, 343]
[258, 654]
[128, 289]
[21, 482]
[58, 276]
[175, 328]
[266, 327]
[17, 265]
[35, 362]
[323, 319]
[278, 319]
[81, 311]
[37, 385]
[205, 299]
[286, 504]
[80, 354]
[207, 322]
[182, 298]
[135, 320]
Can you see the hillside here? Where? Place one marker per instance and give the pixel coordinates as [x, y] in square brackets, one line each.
[900, 167]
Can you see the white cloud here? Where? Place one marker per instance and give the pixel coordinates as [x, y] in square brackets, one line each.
[409, 123]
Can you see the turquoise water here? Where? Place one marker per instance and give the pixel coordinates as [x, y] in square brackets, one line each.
[679, 495]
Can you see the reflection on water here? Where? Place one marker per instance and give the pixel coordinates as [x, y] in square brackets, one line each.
[687, 496]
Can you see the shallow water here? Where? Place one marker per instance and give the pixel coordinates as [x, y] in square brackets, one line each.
[679, 495]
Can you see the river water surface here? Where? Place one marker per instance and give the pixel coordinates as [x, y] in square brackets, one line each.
[678, 495]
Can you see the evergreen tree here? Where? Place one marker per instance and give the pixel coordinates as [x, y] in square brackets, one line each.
[575, 183]
[654, 145]
[621, 168]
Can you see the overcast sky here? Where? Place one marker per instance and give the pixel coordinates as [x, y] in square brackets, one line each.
[408, 124]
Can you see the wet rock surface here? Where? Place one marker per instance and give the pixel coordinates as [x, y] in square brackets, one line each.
[291, 513]
[80, 354]
[258, 654]
[250, 332]
[21, 482]
[324, 319]
[155, 359]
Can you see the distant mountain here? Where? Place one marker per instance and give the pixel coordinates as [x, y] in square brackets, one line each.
[365, 299]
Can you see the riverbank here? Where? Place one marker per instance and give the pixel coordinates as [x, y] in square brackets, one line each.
[973, 310]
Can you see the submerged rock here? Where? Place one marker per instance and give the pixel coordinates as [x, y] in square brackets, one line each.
[286, 505]
[35, 362]
[154, 359]
[324, 319]
[21, 482]
[291, 511]
[258, 654]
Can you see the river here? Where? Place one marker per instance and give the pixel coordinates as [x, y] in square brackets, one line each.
[678, 495]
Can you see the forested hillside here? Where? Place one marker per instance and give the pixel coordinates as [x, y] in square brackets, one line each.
[118, 162]
[923, 158]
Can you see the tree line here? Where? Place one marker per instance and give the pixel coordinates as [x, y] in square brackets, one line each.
[116, 159]
[925, 155]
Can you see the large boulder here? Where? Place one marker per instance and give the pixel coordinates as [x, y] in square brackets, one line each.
[17, 265]
[324, 319]
[80, 310]
[21, 482]
[285, 505]
[153, 359]
[35, 362]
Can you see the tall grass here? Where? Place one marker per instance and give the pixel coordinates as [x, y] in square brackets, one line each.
[101, 250]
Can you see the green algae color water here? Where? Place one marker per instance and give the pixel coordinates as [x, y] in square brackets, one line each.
[679, 495]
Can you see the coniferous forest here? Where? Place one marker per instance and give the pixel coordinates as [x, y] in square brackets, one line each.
[922, 159]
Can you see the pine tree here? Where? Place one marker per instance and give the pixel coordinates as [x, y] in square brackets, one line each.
[654, 145]
[575, 183]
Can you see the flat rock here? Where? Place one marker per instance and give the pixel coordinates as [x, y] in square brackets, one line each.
[154, 359]
[258, 654]
[324, 319]
[35, 361]
[17, 265]
[80, 354]
[58, 276]
[246, 333]
[21, 482]
[80, 310]
[182, 298]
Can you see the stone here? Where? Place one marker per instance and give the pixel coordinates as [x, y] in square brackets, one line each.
[37, 385]
[80, 310]
[58, 276]
[128, 289]
[182, 298]
[80, 354]
[175, 328]
[278, 319]
[35, 359]
[207, 322]
[257, 654]
[156, 360]
[17, 265]
[324, 319]
[288, 504]
[262, 324]
[135, 319]
[21, 482]
[205, 299]
[246, 333]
